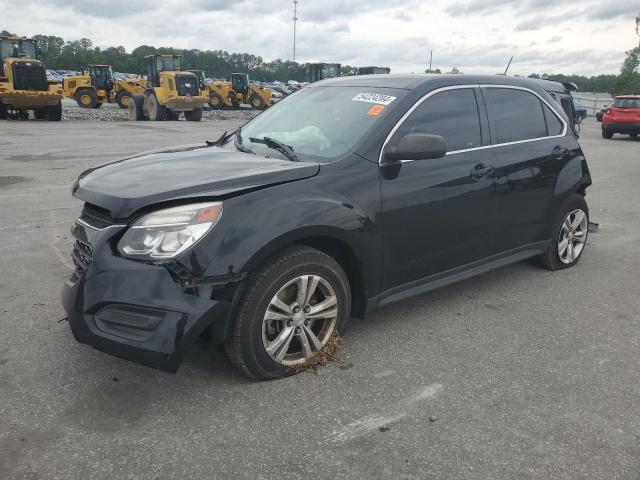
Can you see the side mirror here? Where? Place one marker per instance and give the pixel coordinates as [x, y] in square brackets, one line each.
[416, 146]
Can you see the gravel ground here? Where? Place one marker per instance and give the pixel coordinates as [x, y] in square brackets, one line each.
[112, 113]
[518, 374]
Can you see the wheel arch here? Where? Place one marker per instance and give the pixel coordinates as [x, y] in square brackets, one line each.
[332, 242]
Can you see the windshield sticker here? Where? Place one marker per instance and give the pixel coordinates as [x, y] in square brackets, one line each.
[375, 110]
[378, 98]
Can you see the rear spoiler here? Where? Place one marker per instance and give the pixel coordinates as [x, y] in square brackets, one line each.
[572, 87]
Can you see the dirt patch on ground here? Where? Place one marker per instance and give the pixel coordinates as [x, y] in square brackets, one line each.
[327, 356]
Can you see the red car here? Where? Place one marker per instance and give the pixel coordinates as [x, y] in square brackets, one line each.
[622, 116]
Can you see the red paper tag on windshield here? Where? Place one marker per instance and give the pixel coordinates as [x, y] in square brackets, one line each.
[375, 110]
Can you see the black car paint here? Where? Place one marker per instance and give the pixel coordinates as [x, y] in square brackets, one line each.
[360, 211]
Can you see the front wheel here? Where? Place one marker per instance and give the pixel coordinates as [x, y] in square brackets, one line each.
[570, 236]
[122, 99]
[135, 108]
[194, 115]
[256, 102]
[292, 306]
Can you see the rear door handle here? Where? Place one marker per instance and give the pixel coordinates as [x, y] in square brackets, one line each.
[558, 152]
[481, 170]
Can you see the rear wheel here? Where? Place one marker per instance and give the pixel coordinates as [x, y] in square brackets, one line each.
[4, 111]
[136, 108]
[156, 111]
[123, 98]
[633, 135]
[39, 113]
[607, 134]
[86, 98]
[292, 306]
[257, 102]
[216, 102]
[53, 113]
[194, 115]
[570, 236]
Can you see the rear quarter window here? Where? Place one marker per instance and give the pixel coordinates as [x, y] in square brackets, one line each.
[554, 125]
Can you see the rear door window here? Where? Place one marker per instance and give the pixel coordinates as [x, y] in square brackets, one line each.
[452, 114]
[516, 115]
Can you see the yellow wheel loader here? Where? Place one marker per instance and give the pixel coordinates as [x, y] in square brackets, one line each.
[23, 83]
[97, 85]
[169, 91]
[237, 91]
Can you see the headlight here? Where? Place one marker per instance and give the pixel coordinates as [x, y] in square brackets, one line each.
[170, 232]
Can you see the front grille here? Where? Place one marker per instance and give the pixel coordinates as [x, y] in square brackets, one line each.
[81, 256]
[187, 85]
[30, 76]
[96, 217]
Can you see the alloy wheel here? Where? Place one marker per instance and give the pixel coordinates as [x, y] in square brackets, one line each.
[572, 236]
[299, 320]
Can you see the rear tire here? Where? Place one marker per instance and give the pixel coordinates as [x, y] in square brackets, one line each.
[246, 347]
[633, 135]
[53, 113]
[86, 98]
[607, 134]
[39, 113]
[216, 102]
[4, 111]
[155, 111]
[555, 257]
[194, 115]
[123, 98]
[136, 108]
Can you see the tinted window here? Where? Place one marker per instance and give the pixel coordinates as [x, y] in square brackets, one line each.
[516, 115]
[554, 125]
[452, 114]
[626, 103]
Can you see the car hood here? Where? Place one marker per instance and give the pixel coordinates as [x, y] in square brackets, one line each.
[125, 186]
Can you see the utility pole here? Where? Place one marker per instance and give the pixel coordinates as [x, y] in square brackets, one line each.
[638, 28]
[295, 21]
[430, 60]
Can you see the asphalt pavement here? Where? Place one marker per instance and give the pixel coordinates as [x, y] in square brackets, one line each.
[520, 373]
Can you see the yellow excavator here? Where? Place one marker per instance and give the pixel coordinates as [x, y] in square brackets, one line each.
[97, 85]
[23, 82]
[230, 94]
[169, 92]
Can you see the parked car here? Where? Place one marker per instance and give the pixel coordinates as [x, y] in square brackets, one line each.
[580, 111]
[623, 116]
[354, 193]
[600, 114]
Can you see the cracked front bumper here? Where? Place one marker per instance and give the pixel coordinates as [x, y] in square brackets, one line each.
[131, 309]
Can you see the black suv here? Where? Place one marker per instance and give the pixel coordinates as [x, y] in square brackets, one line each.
[347, 195]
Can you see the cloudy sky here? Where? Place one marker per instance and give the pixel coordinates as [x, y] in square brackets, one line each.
[478, 36]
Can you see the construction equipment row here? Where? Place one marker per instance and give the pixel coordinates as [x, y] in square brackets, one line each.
[163, 93]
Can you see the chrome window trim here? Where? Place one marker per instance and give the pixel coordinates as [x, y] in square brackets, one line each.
[483, 147]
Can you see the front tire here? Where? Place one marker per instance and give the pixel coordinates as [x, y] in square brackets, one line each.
[123, 98]
[216, 102]
[291, 307]
[86, 98]
[53, 113]
[569, 238]
[156, 111]
[256, 102]
[194, 115]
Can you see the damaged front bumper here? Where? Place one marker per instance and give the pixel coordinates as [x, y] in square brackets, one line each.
[134, 310]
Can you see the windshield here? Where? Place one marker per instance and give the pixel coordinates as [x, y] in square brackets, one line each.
[102, 72]
[321, 123]
[25, 47]
[168, 64]
[626, 103]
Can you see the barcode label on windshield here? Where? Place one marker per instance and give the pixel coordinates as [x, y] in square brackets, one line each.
[377, 98]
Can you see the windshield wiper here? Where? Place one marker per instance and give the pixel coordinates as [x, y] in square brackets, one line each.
[220, 141]
[237, 142]
[286, 150]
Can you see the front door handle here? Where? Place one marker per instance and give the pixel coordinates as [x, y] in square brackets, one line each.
[559, 152]
[481, 170]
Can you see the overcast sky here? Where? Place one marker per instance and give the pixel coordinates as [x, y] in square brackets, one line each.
[478, 36]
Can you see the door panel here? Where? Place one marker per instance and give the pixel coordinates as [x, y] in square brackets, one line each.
[438, 214]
